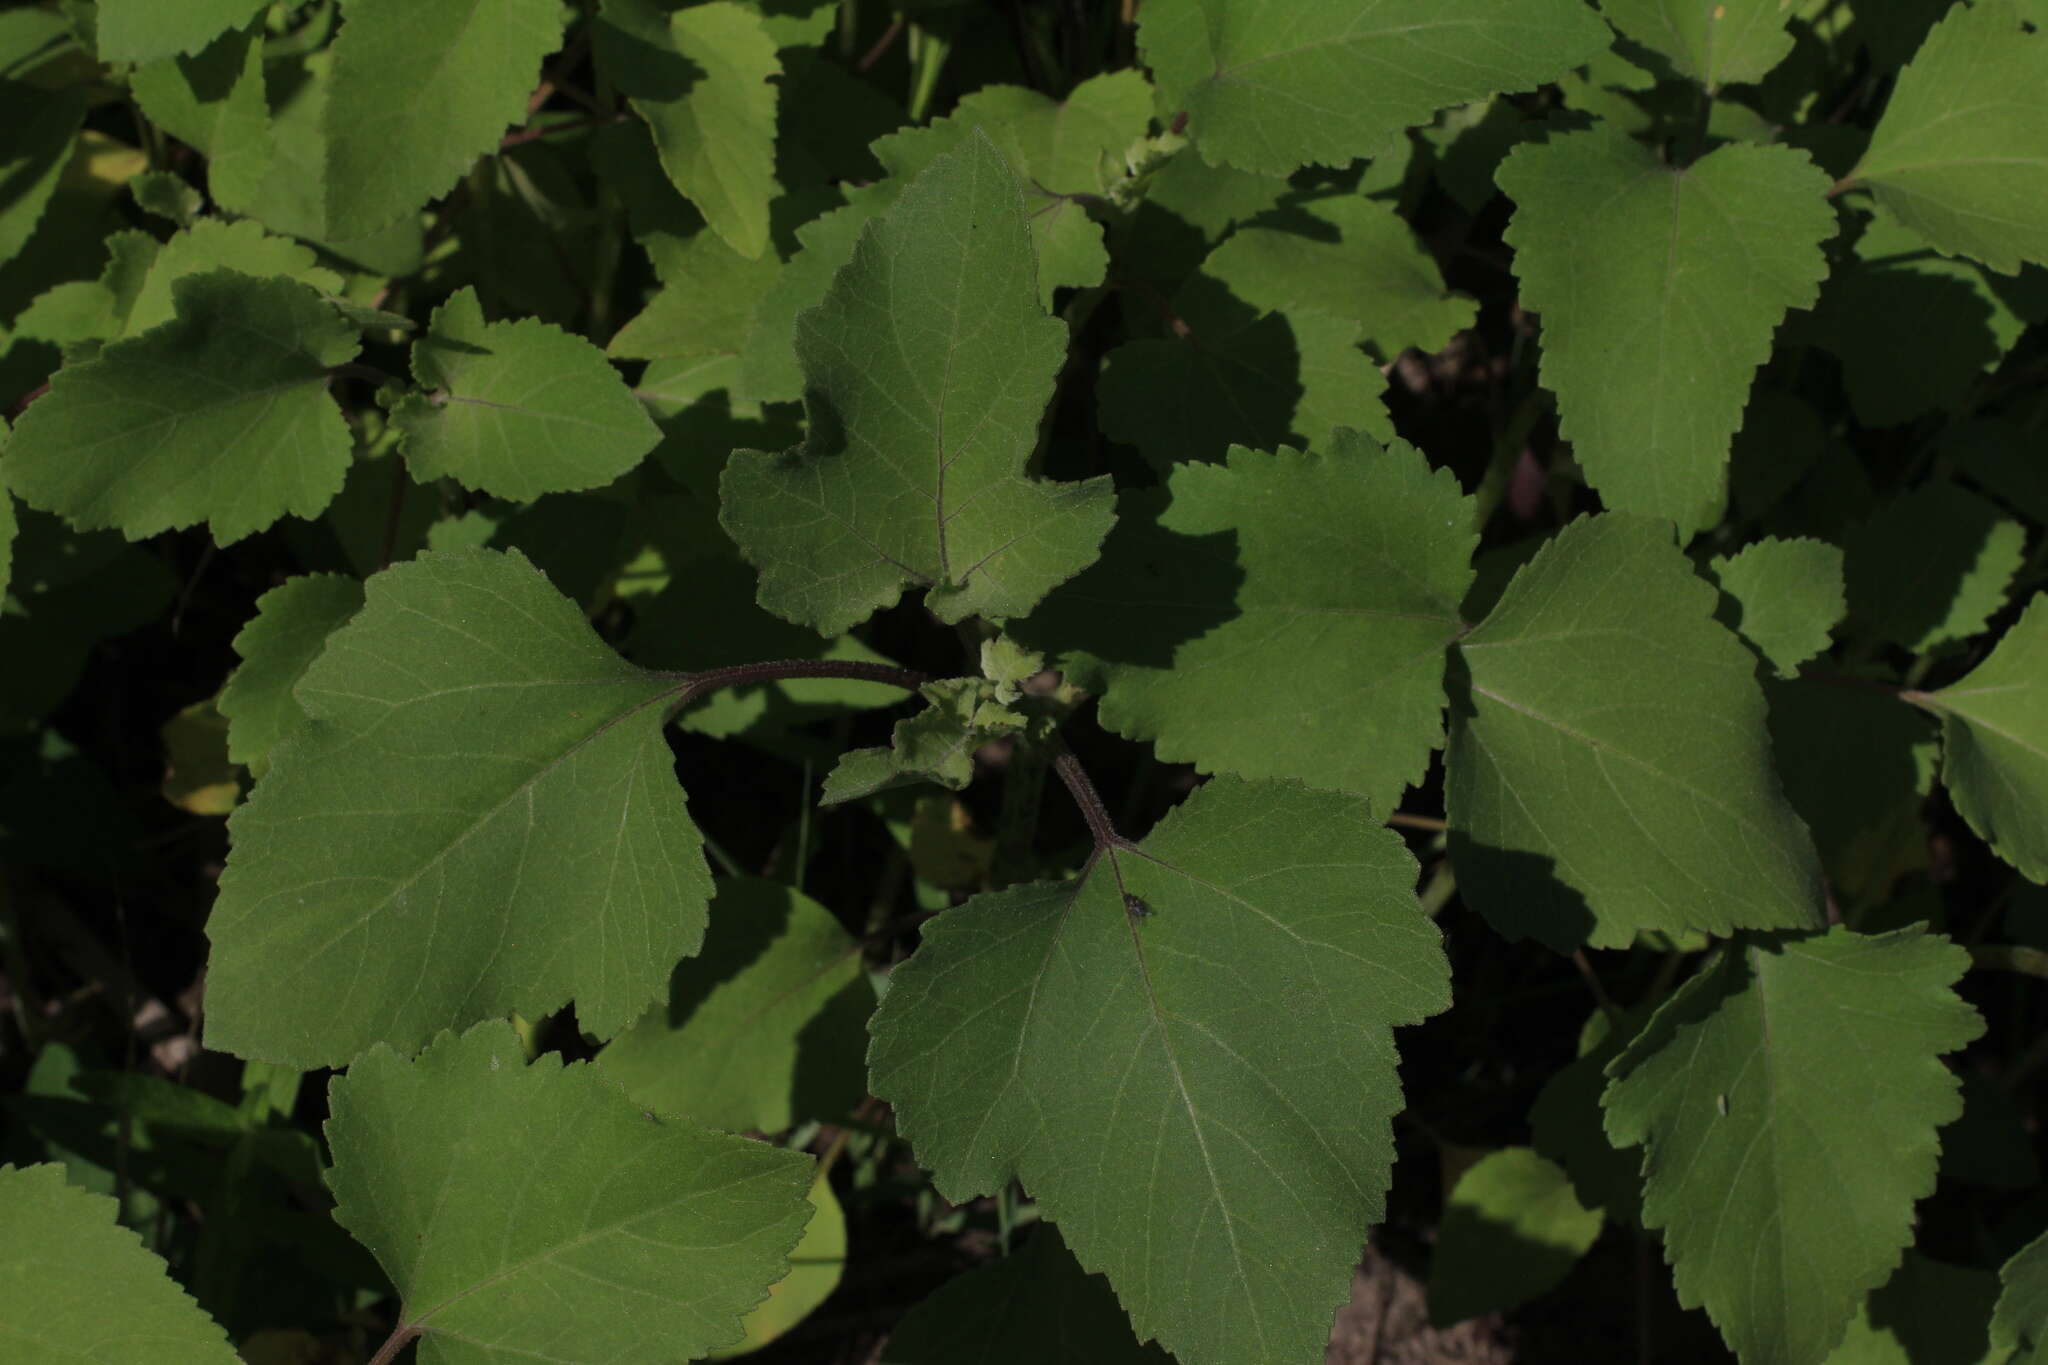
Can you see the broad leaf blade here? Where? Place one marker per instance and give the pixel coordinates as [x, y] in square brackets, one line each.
[220, 415]
[290, 628]
[480, 817]
[1215, 1136]
[1786, 597]
[82, 1287]
[927, 369]
[148, 30]
[1932, 567]
[1787, 1100]
[762, 1029]
[1994, 726]
[1676, 279]
[526, 1209]
[516, 409]
[703, 78]
[2019, 1323]
[1608, 769]
[1961, 153]
[38, 129]
[1720, 43]
[1278, 616]
[419, 93]
[215, 101]
[1512, 1230]
[1271, 85]
[208, 245]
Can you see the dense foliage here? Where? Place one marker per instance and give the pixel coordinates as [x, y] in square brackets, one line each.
[985, 681]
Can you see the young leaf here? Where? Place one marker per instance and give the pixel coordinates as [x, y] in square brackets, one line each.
[290, 628]
[1961, 154]
[2019, 1324]
[703, 78]
[1035, 1305]
[82, 1287]
[37, 130]
[419, 93]
[533, 1210]
[1270, 85]
[215, 101]
[1608, 769]
[1200, 1098]
[1660, 290]
[516, 409]
[1512, 1230]
[1230, 374]
[762, 1029]
[149, 30]
[1786, 597]
[935, 745]
[1351, 257]
[927, 368]
[1278, 616]
[220, 415]
[1722, 43]
[1932, 567]
[480, 816]
[1787, 1099]
[1994, 739]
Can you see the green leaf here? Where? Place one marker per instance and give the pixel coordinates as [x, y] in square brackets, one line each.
[816, 1265]
[1961, 153]
[1726, 42]
[1675, 279]
[1512, 1230]
[1932, 567]
[886, 492]
[419, 93]
[516, 409]
[1351, 257]
[1216, 1137]
[220, 415]
[211, 244]
[702, 76]
[1035, 1305]
[518, 1207]
[1787, 1099]
[1608, 769]
[97, 1294]
[1994, 740]
[1229, 374]
[935, 745]
[1278, 616]
[1270, 85]
[290, 628]
[762, 1030]
[479, 817]
[149, 30]
[37, 130]
[1927, 1313]
[1783, 596]
[705, 306]
[215, 101]
[2019, 1323]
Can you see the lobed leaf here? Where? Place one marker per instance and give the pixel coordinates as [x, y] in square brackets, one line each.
[1271, 85]
[1608, 769]
[1994, 739]
[516, 409]
[533, 1211]
[1960, 155]
[1200, 1097]
[79, 1286]
[1787, 1099]
[479, 817]
[290, 628]
[1786, 597]
[419, 93]
[926, 371]
[219, 415]
[1676, 279]
[1280, 615]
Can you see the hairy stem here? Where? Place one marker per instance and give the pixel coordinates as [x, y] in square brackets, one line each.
[1089, 800]
[401, 1337]
[695, 685]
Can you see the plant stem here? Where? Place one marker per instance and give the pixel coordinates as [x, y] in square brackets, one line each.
[401, 1337]
[1089, 800]
[2011, 958]
[695, 685]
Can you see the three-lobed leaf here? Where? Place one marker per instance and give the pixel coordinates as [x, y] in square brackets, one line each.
[1675, 278]
[219, 415]
[1608, 769]
[516, 409]
[480, 816]
[1199, 1096]
[533, 1210]
[926, 371]
[1787, 1100]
